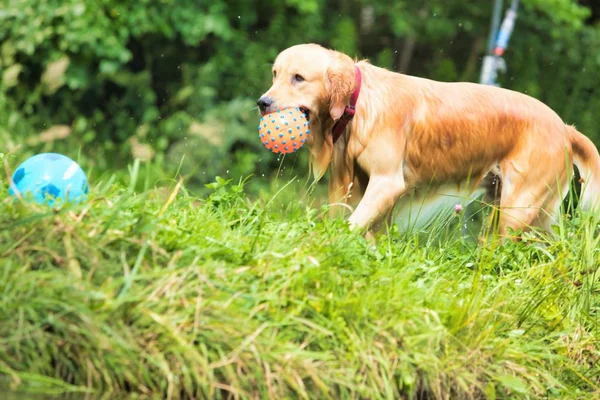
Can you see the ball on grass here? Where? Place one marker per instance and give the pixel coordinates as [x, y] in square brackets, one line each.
[50, 178]
[284, 131]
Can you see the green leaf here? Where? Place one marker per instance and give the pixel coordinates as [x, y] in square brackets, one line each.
[513, 383]
[10, 76]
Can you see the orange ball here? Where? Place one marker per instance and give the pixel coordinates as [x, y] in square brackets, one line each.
[283, 131]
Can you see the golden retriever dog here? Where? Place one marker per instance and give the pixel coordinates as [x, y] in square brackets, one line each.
[413, 139]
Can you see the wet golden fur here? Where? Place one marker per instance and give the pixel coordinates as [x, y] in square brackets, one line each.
[410, 133]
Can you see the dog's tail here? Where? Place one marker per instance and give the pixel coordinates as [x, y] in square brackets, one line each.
[587, 161]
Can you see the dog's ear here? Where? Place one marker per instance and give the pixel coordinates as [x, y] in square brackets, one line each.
[340, 75]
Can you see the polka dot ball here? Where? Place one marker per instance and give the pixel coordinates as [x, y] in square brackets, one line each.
[284, 131]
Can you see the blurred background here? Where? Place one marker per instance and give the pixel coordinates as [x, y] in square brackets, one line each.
[173, 83]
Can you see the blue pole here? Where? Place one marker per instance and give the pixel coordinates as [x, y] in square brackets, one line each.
[506, 29]
[498, 42]
[495, 25]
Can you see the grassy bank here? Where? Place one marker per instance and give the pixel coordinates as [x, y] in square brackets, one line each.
[162, 294]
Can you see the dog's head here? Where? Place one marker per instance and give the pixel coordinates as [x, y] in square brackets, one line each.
[318, 81]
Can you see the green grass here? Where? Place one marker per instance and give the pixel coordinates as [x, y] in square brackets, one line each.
[159, 293]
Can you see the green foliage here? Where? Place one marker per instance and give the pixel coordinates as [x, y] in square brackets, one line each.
[161, 293]
[125, 79]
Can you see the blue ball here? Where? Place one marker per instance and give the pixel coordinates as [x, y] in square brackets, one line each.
[50, 178]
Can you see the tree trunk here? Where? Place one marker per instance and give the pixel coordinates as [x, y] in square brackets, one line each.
[407, 54]
[473, 60]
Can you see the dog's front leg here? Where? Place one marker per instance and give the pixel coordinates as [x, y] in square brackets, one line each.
[383, 191]
[340, 183]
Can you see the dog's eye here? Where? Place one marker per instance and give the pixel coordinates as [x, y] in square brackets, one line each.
[274, 74]
[298, 78]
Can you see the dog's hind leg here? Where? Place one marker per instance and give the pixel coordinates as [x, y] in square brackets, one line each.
[529, 198]
[550, 214]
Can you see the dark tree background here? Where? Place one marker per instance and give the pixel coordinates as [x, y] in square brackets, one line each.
[113, 80]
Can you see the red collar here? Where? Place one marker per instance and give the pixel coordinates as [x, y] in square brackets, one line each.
[340, 124]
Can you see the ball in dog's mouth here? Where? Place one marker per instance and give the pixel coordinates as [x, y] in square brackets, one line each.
[284, 131]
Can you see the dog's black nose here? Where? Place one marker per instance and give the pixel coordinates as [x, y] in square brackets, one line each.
[264, 103]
